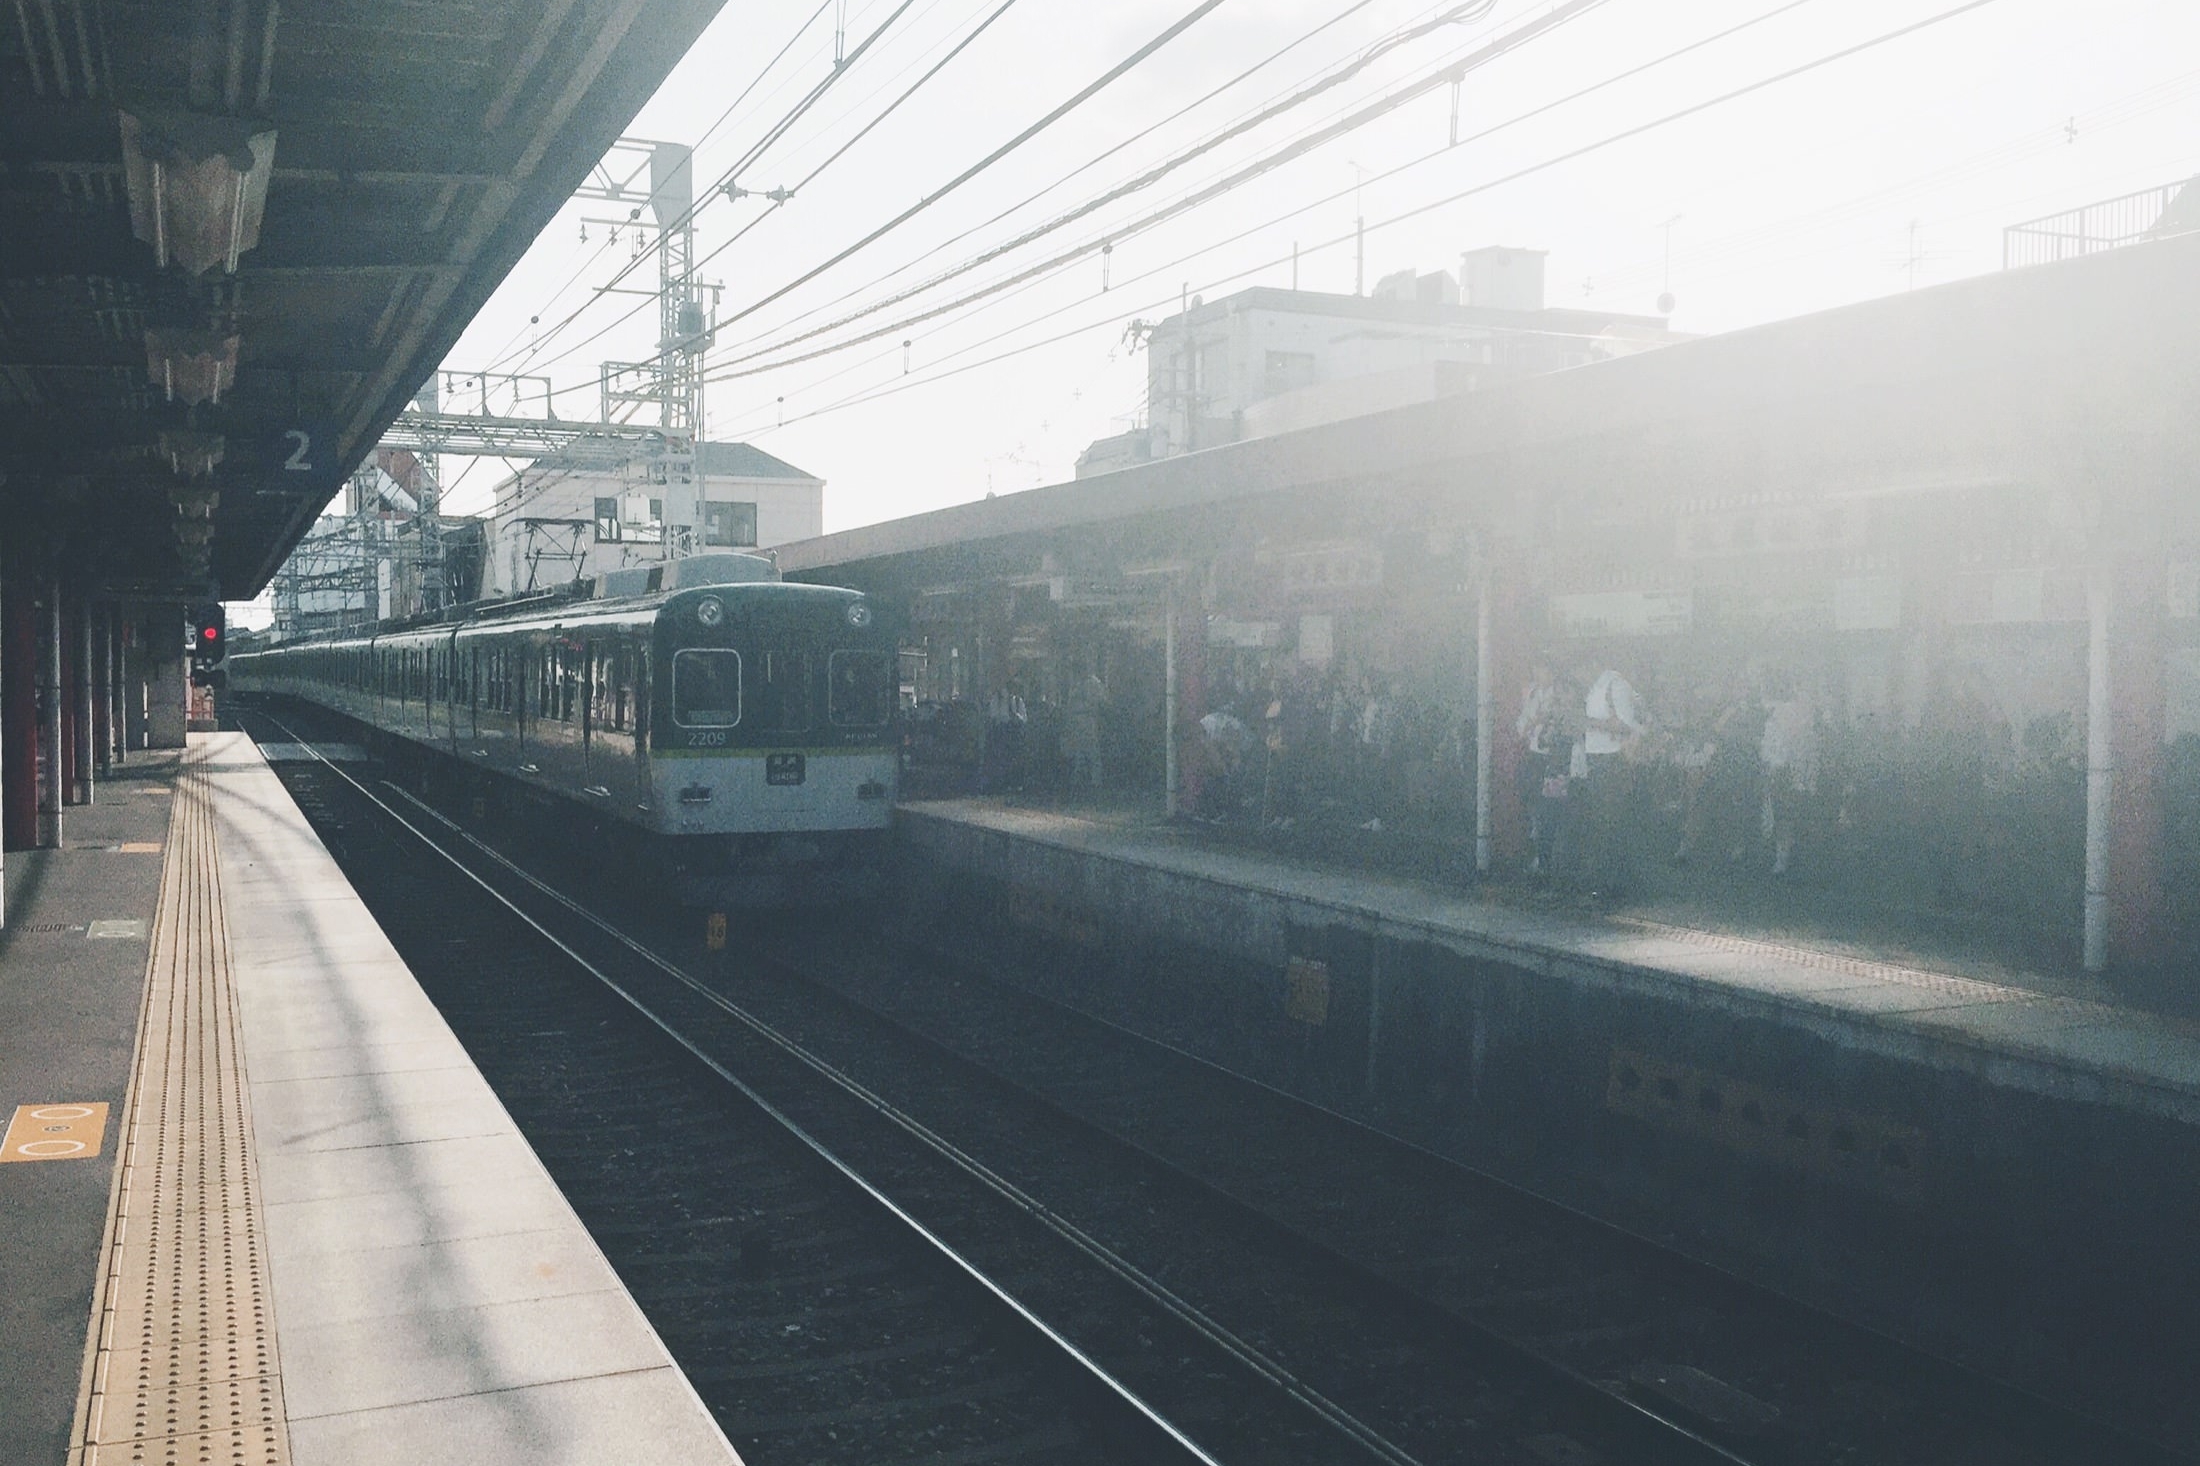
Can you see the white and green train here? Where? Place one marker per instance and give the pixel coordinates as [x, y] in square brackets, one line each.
[743, 723]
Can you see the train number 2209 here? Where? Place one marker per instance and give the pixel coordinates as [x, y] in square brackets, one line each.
[703, 738]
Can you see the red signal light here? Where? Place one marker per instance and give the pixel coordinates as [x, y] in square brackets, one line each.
[208, 633]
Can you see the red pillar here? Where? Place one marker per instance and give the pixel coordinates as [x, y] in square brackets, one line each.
[71, 752]
[19, 712]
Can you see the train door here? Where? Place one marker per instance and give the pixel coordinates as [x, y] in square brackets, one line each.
[585, 695]
[644, 695]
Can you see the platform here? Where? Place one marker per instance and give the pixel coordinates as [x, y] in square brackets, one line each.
[2024, 1033]
[1994, 1170]
[310, 1232]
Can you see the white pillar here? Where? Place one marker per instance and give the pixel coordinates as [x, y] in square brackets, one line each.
[2100, 774]
[1168, 705]
[1485, 723]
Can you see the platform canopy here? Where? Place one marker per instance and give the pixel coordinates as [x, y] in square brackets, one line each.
[237, 235]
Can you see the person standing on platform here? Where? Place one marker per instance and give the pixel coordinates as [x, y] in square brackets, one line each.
[1612, 721]
[1004, 727]
[1535, 727]
[1789, 753]
[1086, 696]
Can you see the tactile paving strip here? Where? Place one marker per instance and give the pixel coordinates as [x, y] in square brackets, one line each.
[1956, 989]
[184, 1372]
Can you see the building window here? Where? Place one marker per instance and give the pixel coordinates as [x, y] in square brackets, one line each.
[607, 520]
[729, 525]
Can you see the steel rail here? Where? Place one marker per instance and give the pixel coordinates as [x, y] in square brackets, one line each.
[1241, 1351]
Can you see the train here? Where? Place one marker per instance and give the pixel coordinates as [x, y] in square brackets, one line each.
[733, 728]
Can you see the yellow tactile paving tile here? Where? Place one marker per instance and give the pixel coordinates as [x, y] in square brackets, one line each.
[183, 1367]
[55, 1132]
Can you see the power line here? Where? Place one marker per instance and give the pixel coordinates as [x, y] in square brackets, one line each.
[1382, 106]
[725, 181]
[1114, 73]
[754, 83]
[1182, 24]
[1100, 158]
[1484, 187]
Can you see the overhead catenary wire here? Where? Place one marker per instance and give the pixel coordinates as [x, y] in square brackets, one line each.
[725, 372]
[1090, 163]
[1183, 23]
[724, 182]
[1389, 102]
[758, 80]
[1557, 160]
[1114, 73]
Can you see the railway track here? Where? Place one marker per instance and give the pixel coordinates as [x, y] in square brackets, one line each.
[1622, 1310]
[1305, 1369]
[1278, 1282]
[817, 1320]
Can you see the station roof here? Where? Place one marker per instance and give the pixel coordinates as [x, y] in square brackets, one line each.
[2082, 368]
[236, 236]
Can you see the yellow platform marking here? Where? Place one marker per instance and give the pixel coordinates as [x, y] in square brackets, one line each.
[139, 847]
[58, 1132]
[181, 1365]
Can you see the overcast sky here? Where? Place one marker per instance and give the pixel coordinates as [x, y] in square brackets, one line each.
[1902, 162]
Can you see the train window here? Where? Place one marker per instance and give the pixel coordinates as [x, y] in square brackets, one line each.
[706, 688]
[861, 690]
[780, 696]
[569, 682]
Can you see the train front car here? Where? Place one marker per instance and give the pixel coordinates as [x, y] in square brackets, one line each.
[771, 754]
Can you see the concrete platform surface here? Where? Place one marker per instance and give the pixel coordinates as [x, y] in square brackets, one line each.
[2058, 1046]
[69, 1002]
[328, 1243]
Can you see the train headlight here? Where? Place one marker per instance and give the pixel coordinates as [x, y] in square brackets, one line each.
[710, 611]
[859, 615]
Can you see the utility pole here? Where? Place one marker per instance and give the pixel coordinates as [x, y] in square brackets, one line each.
[1359, 231]
[672, 380]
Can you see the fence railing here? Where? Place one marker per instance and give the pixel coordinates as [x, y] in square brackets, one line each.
[2148, 214]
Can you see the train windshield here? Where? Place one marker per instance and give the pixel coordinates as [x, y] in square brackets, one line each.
[862, 693]
[706, 689]
[779, 692]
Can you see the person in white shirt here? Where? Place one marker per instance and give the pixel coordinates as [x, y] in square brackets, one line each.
[1613, 715]
[1613, 721]
[1789, 755]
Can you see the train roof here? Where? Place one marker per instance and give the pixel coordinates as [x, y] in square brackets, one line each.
[573, 607]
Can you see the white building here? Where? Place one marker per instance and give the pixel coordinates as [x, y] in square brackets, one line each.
[1266, 361]
[604, 506]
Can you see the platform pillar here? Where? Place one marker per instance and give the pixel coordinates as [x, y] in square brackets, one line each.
[1168, 707]
[19, 711]
[118, 673]
[50, 720]
[167, 678]
[80, 699]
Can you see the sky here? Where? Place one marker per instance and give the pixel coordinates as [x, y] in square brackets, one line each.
[1893, 168]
